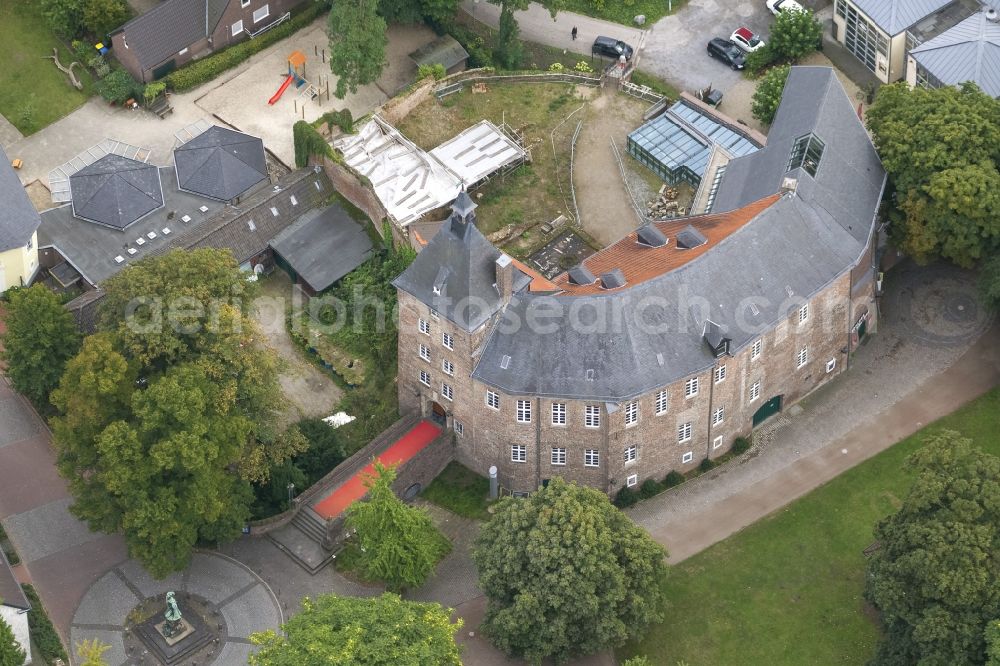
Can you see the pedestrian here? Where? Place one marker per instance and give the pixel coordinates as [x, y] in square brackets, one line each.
[574, 33]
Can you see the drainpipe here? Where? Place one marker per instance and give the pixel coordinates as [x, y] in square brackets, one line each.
[711, 405]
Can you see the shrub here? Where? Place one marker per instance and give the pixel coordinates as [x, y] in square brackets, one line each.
[760, 60]
[43, 634]
[740, 446]
[100, 66]
[768, 94]
[341, 119]
[152, 91]
[626, 497]
[556, 67]
[118, 86]
[308, 142]
[650, 487]
[707, 464]
[582, 66]
[436, 70]
[674, 478]
[794, 35]
[205, 69]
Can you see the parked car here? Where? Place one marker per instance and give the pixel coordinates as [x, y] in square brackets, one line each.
[727, 52]
[776, 6]
[611, 48]
[746, 40]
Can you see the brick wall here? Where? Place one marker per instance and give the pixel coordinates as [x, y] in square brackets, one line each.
[352, 188]
[397, 108]
[426, 465]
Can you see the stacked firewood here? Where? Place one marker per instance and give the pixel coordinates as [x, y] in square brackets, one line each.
[665, 204]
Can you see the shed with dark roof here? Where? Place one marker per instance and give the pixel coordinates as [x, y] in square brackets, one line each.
[116, 191]
[220, 164]
[444, 50]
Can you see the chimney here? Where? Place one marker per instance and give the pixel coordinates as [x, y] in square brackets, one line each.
[789, 185]
[505, 277]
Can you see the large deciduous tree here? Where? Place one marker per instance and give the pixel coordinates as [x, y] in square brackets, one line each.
[508, 50]
[941, 148]
[400, 543]
[414, 11]
[11, 654]
[165, 415]
[566, 574]
[41, 337]
[993, 643]
[384, 631]
[794, 35]
[770, 88]
[989, 281]
[936, 577]
[357, 44]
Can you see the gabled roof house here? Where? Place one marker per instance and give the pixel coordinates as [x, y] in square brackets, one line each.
[18, 223]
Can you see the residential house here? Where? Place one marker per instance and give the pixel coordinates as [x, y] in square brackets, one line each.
[18, 224]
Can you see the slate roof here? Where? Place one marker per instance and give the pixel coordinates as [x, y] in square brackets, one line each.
[171, 26]
[895, 16]
[323, 246]
[116, 191]
[455, 274]
[11, 593]
[444, 50]
[85, 309]
[969, 51]
[619, 345]
[91, 248]
[220, 163]
[18, 218]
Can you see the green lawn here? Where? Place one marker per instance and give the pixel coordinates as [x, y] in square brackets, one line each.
[461, 491]
[788, 590]
[33, 93]
[624, 11]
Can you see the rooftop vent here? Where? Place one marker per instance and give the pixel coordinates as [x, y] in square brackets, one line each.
[659, 358]
[505, 362]
[316, 183]
[140, 241]
[132, 250]
[590, 374]
[186, 218]
[295, 202]
[789, 291]
[119, 259]
[690, 238]
[789, 184]
[203, 209]
[274, 211]
[613, 279]
[992, 15]
[754, 310]
[151, 235]
[165, 231]
[650, 236]
[580, 275]
[251, 226]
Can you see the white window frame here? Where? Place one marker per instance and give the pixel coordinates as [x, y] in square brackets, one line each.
[447, 367]
[687, 457]
[758, 347]
[684, 432]
[424, 326]
[447, 391]
[434, 315]
[831, 365]
[802, 357]
[720, 374]
[459, 428]
[631, 413]
[267, 12]
[803, 313]
[691, 388]
[718, 416]
[592, 458]
[592, 416]
[558, 413]
[425, 378]
[523, 413]
[632, 480]
[244, 3]
[661, 403]
[755, 390]
[558, 456]
[492, 399]
[447, 340]
[518, 453]
[236, 28]
[717, 442]
[631, 454]
[425, 352]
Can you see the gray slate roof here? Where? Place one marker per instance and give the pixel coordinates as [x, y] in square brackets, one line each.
[647, 336]
[895, 16]
[116, 191]
[91, 248]
[444, 50]
[11, 593]
[970, 51]
[323, 246]
[167, 28]
[220, 163]
[456, 272]
[18, 218]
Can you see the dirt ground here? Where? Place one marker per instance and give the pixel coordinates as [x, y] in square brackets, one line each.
[308, 391]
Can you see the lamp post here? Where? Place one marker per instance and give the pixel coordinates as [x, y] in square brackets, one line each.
[291, 491]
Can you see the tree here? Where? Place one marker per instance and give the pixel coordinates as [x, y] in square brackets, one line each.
[566, 574]
[989, 281]
[936, 577]
[941, 148]
[400, 544]
[64, 17]
[384, 631]
[767, 97]
[92, 652]
[102, 16]
[993, 643]
[508, 50]
[165, 415]
[11, 654]
[412, 11]
[357, 44]
[41, 337]
[794, 35]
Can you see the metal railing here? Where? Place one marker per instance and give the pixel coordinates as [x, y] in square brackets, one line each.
[515, 77]
[572, 155]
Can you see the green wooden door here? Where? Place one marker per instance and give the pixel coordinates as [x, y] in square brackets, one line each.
[769, 408]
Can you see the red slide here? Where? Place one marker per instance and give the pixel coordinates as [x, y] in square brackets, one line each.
[281, 90]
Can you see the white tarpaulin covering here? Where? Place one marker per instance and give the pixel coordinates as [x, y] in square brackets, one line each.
[477, 152]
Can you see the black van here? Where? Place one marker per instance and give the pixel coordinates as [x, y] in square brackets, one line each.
[611, 48]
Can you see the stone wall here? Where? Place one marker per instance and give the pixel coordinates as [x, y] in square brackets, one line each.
[355, 190]
[399, 107]
[426, 465]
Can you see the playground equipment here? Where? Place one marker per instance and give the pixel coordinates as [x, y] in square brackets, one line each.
[296, 62]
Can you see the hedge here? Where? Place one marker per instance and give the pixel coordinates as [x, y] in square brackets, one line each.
[307, 142]
[43, 634]
[198, 72]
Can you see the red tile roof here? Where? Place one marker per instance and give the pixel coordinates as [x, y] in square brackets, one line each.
[640, 263]
[538, 281]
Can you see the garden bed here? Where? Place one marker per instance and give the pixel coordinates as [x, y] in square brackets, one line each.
[461, 491]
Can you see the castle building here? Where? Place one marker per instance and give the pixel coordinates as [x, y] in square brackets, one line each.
[660, 350]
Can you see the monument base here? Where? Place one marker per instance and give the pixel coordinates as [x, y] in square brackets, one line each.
[194, 635]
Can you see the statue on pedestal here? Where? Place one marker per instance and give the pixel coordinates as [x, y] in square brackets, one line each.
[172, 617]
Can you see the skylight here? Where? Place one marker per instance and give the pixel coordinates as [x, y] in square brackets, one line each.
[806, 153]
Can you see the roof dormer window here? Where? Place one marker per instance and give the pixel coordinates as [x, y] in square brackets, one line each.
[807, 151]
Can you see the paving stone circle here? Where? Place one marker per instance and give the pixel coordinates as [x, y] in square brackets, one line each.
[232, 600]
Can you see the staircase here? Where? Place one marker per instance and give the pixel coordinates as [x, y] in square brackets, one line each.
[309, 523]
